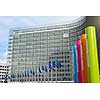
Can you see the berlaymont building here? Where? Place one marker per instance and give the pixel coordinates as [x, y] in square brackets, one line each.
[43, 54]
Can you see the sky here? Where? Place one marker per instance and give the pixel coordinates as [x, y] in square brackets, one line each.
[9, 22]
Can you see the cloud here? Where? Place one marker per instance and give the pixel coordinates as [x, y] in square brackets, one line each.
[3, 57]
[3, 52]
[3, 61]
[8, 22]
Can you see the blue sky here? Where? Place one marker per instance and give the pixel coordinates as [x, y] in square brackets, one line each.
[8, 22]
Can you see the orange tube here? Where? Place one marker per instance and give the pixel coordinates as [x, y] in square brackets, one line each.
[84, 56]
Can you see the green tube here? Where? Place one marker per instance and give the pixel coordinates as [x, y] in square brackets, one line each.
[92, 54]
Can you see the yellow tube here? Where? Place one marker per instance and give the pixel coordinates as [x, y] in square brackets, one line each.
[92, 54]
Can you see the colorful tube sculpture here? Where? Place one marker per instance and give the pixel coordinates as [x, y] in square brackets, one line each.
[79, 60]
[84, 58]
[99, 78]
[92, 54]
[74, 52]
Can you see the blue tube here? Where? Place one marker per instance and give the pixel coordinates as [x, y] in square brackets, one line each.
[74, 53]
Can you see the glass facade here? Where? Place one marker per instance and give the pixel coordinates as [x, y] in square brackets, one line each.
[34, 47]
[4, 71]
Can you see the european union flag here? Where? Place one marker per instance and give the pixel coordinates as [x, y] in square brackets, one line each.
[53, 64]
[46, 69]
[40, 70]
[58, 64]
[9, 77]
[50, 65]
[18, 75]
[32, 72]
[28, 73]
[3, 77]
[13, 75]
[6, 77]
[43, 69]
[25, 73]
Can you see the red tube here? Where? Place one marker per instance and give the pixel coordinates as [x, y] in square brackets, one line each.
[79, 60]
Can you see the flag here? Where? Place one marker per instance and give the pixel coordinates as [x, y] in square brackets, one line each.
[28, 73]
[13, 76]
[32, 72]
[9, 76]
[6, 77]
[43, 69]
[3, 77]
[58, 64]
[51, 64]
[46, 69]
[18, 75]
[25, 73]
[40, 70]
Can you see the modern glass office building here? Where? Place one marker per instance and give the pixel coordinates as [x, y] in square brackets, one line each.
[31, 48]
[4, 71]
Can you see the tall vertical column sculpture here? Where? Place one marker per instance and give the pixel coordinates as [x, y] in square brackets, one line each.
[79, 60]
[92, 54]
[74, 52]
[84, 58]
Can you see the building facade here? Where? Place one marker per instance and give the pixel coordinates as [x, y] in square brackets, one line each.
[32, 48]
[4, 70]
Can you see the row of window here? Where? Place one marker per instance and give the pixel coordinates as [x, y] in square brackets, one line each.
[4, 72]
[47, 79]
[78, 28]
[3, 69]
[54, 36]
[39, 49]
[39, 34]
[4, 66]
